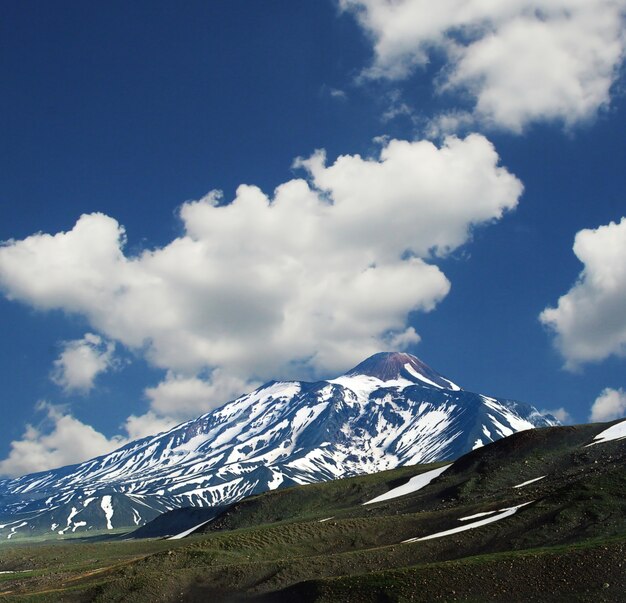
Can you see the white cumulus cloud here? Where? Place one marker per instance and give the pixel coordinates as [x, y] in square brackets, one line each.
[589, 321]
[180, 398]
[312, 279]
[148, 424]
[187, 397]
[61, 440]
[609, 405]
[521, 61]
[81, 361]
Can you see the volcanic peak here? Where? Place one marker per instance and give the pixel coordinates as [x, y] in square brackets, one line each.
[388, 366]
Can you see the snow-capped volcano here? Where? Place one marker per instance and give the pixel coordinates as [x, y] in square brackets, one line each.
[390, 410]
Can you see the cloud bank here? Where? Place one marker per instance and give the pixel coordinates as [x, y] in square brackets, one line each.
[322, 274]
[60, 440]
[519, 61]
[589, 321]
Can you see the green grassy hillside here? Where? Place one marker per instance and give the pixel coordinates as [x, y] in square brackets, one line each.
[319, 543]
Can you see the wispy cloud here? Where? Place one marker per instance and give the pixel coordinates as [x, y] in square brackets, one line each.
[338, 94]
[561, 414]
[397, 107]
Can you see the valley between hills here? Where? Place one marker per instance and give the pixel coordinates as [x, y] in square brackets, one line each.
[536, 516]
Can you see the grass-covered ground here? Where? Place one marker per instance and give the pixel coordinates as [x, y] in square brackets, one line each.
[569, 544]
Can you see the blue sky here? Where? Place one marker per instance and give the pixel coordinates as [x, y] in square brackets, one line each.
[466, 149]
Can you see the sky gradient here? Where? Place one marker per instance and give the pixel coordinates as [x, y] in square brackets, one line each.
[448, 182]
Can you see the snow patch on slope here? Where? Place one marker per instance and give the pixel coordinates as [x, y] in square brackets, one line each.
[189, 531]
[107, 507]
[277, 480]
[363, 385]
[15, 528]
[516, 423]
[70, 518]
[453, 386]
[413, 485]
[530, 481]
[502, 514]
[477, 515]
[615, 432]
[409, 369]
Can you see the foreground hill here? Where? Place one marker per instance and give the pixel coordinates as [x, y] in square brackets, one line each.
[389, 411]
[537, 516]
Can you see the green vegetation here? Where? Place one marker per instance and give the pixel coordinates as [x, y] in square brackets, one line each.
[318, 543]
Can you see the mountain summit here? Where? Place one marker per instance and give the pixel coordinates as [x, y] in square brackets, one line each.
[390, 410]
[388, 366]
